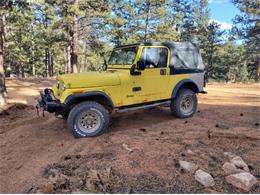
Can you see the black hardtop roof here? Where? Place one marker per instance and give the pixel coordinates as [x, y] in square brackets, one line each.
[170, 45]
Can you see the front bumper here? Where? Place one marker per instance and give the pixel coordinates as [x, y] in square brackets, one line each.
[49, 103]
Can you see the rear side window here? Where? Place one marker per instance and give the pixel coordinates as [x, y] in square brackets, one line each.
[186, 58]
[155, 57]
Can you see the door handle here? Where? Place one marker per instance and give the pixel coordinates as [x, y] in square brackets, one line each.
[137, 89]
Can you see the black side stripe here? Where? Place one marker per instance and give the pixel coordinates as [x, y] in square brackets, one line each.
[174, 71]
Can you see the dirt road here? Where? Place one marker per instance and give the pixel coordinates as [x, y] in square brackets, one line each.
[142, 148]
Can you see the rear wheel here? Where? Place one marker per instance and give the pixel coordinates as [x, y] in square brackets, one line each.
[185, 103]
[88, 119]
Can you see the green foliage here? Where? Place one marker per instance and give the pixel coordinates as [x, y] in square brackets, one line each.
[247, 28]
[47, 37]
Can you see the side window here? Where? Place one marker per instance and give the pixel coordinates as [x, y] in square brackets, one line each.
[155, 57]
[186, 58]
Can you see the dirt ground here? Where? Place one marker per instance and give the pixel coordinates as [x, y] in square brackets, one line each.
[140, 152]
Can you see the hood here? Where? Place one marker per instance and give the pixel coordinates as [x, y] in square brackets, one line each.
[90, 79]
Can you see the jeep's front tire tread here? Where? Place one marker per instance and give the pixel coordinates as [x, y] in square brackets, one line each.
[81, 107]
[176, 103]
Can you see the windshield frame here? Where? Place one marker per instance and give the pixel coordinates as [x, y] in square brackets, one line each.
[124, 65]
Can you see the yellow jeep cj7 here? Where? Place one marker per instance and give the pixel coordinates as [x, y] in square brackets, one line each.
[137, 76]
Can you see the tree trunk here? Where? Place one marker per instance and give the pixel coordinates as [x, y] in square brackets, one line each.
[47, 62]
[52, 62]
[257, 69]
[2, 74]
[147, 20]
[68, 59]
[22, 70]
[65, 60]
[73, 46]
[33, 59]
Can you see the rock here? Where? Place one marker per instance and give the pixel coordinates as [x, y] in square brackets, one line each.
[204, 178]
[188, 166]
[92, 180]
[243, 180]
[142, 129]
[127, 148]
[239, 163]
[230, 155]
[47, 189]
[190, 152]
[230, 168]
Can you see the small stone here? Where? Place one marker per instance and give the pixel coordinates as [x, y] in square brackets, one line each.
[142, 129]
[188, 166]
[230, 168]
[204, 178]
[257, 124]
[91, 180]
[230, 155]
[68, 157]
[243, 180]
[239, 163]
[125, 146]
[183, 154]
[241, 114]
[47, 189]
[190, 152]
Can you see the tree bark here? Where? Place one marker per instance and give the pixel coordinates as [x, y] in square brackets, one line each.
[33, 58]
[52, 62]
[257, 69]
[147, 20]
[68, 59]
[73, 45]
[47, 62]
[2, 74]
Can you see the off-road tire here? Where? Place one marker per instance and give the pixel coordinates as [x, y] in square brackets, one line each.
[176, 103]
[80, 109]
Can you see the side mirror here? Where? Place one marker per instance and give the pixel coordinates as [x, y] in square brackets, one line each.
[140, 65]
[134, 71]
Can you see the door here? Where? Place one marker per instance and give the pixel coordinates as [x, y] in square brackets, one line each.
[153, 82]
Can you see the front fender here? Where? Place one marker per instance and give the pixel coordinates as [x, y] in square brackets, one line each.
[74, 98]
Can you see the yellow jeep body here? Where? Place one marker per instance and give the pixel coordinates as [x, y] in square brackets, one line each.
[151, 84]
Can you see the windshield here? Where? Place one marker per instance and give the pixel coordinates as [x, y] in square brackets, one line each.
[124, 56]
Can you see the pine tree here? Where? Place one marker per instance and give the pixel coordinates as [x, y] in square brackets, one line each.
[214, 39]
[248, 28]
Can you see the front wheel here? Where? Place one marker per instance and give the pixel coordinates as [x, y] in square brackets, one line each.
[88, 119]
[185, 103]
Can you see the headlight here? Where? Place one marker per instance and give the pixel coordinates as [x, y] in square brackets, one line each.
[63, 86]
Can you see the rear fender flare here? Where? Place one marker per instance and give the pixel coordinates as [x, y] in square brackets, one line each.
[187, 82]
